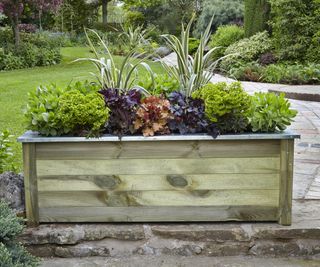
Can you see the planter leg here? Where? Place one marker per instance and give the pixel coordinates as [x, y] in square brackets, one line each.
[30, 184]
[286, 182]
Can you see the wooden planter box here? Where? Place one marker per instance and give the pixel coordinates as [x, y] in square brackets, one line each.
[245, 177]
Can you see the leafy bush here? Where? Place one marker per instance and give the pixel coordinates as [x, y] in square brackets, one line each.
[294, 25]
[35, 50]
[123, 106]
[189, 116]
[82, 114]
[225, 36]
[267, 59]
[278, 73]
[193, 45]
[77, 109]
[153, 115]
[12, 254]
[246, 50]
[162, 84]
[256, 16]
[226, 105]
[270, 113]
[6, 155]
[225, 12]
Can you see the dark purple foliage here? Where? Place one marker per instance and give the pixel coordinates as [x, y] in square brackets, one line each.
[189, 116]
[29, 28]
[267, 59]
[123, 108]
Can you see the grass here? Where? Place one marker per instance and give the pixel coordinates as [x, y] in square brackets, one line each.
[15, 85]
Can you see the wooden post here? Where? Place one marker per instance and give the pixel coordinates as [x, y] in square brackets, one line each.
[30, 184]
[286, 181]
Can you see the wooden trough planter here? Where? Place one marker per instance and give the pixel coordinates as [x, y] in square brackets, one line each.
[245, 177]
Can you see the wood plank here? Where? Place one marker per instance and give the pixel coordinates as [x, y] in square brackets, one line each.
[158, 166]
[158, 214]
[286, 182]
[164, 149]
[158, 182]
[30, 184]
[159, 198]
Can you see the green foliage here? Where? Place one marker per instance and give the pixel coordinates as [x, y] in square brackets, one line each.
[224, 12]
[225, 36]
[294, 25]
[35, 50]
[110, 75]
[193, 45]
[278, 73]
[226, 105]
[270, 113]
[54, 111]
[246, 50]
[162, 85]
[134, 18]
[11, 253]
[256, 16]
[10, 225]
[40, 112]
[82, 114]
[6, 155]
[192, 72]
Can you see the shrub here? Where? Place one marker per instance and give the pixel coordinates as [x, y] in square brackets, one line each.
[225, 36]
[152, 116]
[225, 12]
[77, 109]
[270, 113]
[193, 45]
[294, 25]
[134, 18]
[247, 50]
[12, 254]
[226, 105]
[256, 16]
[251, 71]
[82, 114]
[162, 84]
[6, 155]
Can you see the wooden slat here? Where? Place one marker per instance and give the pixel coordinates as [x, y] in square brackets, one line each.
[158, 214]
[164, 149]
[157, 166]
[30, 184]
[158, 182]
[286, 182]
[159, 198]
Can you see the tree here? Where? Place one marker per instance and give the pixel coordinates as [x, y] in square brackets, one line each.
[105, 11]
[43, 6]
[13, 9]
[256, 16]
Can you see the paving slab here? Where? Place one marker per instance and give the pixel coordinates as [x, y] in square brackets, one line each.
[177, 261]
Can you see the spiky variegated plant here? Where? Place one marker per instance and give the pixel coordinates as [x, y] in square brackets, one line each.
[123, 77]
[192, 72]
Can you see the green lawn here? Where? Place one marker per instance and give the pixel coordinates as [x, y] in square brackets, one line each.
[15, 85]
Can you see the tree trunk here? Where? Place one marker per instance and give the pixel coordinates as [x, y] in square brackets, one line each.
[105, 11]
[16, 33]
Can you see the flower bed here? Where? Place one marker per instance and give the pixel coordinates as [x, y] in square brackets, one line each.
[244, 177]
